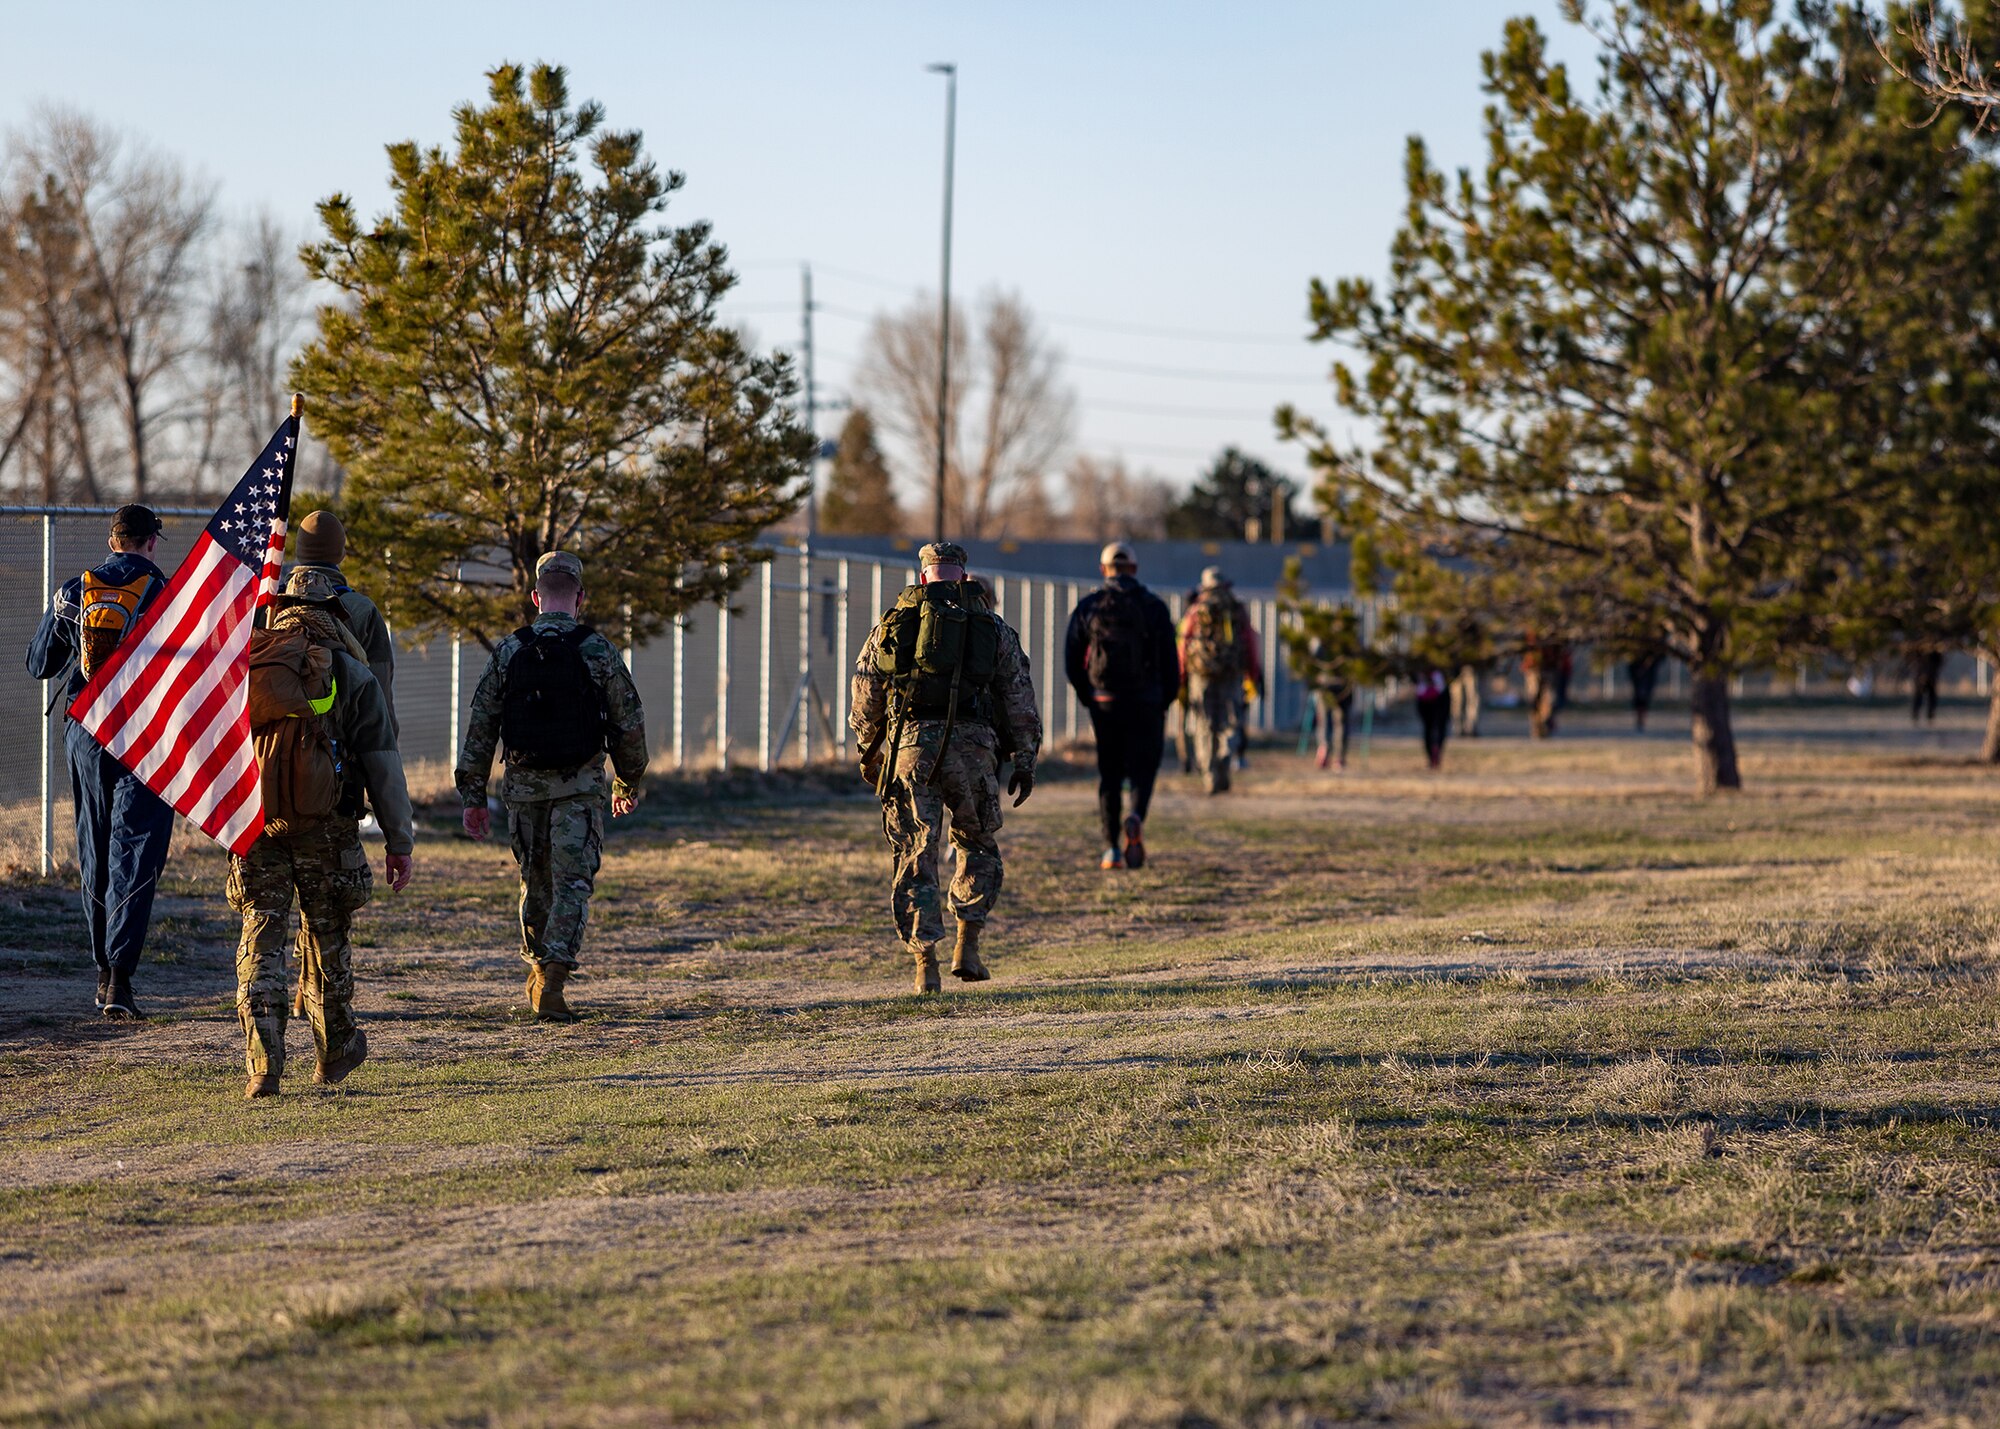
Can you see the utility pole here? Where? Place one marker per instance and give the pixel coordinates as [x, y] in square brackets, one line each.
[950, 73]
[812, 425]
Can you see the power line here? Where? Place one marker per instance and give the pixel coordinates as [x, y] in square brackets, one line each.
[1151, 409]
[873, 280]
[1112, 325]
[1148, 448]
[1136, 369]
[853, 314]
[1184, 374]
[1183, 334]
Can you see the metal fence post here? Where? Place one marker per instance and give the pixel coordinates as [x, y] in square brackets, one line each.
[1049, 658]
[48, 716]
[806, 690]
[680, 680]
[840, 657]
[1027, 631]
[722, 684]
[1069, 706]
[451, 754]
[764, 593]
[1270, 654]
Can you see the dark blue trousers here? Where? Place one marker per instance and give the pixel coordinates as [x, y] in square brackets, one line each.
[122, 832]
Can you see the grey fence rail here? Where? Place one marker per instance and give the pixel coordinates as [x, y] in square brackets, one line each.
[761, 684]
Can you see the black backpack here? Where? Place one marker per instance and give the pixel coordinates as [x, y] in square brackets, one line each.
[1118, 658]
[932, 639]
[552, 714]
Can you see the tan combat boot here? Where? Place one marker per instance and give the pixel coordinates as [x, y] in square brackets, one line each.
[927, 970]
[336, 1068]
[549, 1004]
[264, 1086]
[534, 985]
[965, 964]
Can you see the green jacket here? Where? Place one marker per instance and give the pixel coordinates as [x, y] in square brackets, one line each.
[370, 630]
[362, 728]
[482, 730]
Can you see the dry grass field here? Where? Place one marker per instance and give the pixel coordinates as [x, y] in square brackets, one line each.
[1531, 1092]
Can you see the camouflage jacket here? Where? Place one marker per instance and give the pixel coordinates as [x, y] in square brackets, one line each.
[1016, 721]
[482, 730]
[363, 729]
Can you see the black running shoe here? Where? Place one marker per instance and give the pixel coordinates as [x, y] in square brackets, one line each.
[1135, 848]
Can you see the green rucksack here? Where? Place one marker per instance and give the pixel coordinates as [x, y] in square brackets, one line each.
[931, 634]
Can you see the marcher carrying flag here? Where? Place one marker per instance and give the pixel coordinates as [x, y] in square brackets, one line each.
[171, 703]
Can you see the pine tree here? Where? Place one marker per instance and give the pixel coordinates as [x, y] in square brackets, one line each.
[860, 499]
[522, 359]
[1234, 498]
[1668, 358]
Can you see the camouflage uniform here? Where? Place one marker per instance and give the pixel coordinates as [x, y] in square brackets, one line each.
[930, 781]
[556, 818]
[1216, 706]
[325, 866]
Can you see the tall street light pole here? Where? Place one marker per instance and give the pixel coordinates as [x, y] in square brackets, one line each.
[950, 73]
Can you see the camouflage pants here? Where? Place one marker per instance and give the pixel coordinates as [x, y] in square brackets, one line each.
[559, 844]
[328, 872]
[965, 795]
[1213, 727]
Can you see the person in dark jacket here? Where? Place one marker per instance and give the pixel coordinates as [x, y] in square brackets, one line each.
[1434, 712]
[1925, 668]
[1119, 657]
[1643, 671]
[321, 545]
[122, 827]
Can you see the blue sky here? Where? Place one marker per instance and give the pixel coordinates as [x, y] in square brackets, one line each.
[1121, 165]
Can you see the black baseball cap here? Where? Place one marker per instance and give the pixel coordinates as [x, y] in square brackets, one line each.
[136, 523]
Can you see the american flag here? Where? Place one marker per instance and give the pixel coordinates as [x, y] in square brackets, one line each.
[171, 703]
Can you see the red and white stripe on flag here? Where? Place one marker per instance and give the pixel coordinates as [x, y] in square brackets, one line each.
[172, 702]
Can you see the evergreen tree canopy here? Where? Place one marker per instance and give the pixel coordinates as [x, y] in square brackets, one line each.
[1665, 361]
[860, 498]
[523, 359]
[1235, 491]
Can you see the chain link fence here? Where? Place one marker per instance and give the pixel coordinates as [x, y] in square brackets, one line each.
[761, 685]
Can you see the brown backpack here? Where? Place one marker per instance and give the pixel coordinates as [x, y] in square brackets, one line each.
[292, 690]
[1214, 651]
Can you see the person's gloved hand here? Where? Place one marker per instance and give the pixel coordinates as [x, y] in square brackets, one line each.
[477, 822]
[871, 770]
[1021, 784]
[396, 868]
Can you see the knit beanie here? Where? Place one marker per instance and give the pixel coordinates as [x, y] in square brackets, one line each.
[322, 539]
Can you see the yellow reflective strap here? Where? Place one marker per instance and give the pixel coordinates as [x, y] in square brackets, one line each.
[320, 707]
